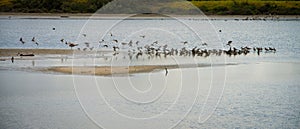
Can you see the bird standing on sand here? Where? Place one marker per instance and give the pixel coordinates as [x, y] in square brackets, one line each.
[166, 71]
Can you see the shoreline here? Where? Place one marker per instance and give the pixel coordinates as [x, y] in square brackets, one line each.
[14, 52]
[8, 15]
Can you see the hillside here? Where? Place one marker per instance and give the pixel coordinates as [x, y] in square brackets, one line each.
[242, 7]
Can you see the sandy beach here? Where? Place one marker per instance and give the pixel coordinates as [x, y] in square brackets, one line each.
[14, 52]
[44, 54]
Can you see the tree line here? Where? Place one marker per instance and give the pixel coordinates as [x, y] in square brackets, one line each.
[245, 7]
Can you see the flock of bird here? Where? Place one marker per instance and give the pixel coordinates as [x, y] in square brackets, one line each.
[155, 49]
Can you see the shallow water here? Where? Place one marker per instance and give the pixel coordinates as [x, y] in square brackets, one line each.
[261, 97]
[283, 35]
[258, 92]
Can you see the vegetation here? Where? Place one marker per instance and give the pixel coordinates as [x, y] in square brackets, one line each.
[242, 7]
[249, 7]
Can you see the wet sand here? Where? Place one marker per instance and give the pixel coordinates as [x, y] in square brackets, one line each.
[43, 54]
[14, 52]
[108, 70]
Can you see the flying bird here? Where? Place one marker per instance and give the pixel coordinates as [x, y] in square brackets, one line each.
[22, 41]
[229, 43]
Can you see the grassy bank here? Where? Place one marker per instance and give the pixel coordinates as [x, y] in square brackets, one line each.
[249, 7]
[241, 7]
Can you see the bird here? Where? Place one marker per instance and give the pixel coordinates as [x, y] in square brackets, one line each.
[143, 36]
[87, 44]
[185, 42]
[62, 40]
[72, 45]
[220, 30]
[84, 35]
[115, 48]
[166, 71]
[156, 42]
[21, 40]
[101, 41]
[37, 43]
[204, 44]
[33, 39]
[115, 40]
[229, 43]
[12, 59]
[105, 45]
[111, 34]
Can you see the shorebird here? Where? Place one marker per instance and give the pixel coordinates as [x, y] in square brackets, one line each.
[115, 48]
[62, 40]
[204, 44]
[115, 40]
[143, 36]
[166, 71]
[105, 45]
[266, 49]
[229, 43]
[272, 49]
[185, 42]
[130, 43]
[111, 34]
[33, 39]
[87, 44]
[84, 35]
[12, 59]
[72, 45]
[21, 40]
[91, 48]
[220, 30]
[101, 41]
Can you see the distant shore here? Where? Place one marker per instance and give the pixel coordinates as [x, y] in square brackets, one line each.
[5, 15]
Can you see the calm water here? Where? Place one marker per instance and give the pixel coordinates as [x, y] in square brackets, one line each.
[283, 35]
[259, 92]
